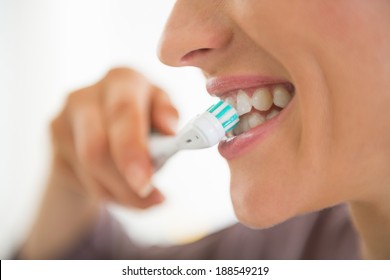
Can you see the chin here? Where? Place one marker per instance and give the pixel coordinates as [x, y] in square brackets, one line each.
[259, 211]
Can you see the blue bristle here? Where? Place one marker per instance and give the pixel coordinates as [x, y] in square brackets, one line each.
[221, 109]
[229, 121]
[215, 107]
[226, 109]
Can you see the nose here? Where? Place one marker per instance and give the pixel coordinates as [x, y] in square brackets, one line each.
[194, 34]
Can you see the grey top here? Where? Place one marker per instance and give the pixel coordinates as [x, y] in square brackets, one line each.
[327, 234]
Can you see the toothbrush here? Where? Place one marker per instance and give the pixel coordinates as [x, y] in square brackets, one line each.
[204, 131]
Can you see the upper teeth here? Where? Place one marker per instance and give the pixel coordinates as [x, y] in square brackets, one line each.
[281, 96]
[262, 99]
[244, 104]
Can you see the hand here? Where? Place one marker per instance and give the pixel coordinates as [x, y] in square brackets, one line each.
[101, 136]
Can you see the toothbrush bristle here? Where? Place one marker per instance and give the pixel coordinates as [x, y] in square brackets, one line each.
[215, 106]
[225, 114]
[230, 123]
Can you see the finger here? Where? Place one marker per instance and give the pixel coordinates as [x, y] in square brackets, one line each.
[113, 181]
[127, 108]
[164, 115]
[92, 151]
[62, 136]
[155, 197]
[90, 147]
[96, 168]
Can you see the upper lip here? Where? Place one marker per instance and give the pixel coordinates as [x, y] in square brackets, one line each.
[219, 86]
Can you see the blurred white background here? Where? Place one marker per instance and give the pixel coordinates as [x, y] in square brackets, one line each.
[49, 48]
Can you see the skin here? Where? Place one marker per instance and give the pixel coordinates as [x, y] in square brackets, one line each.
[334, 145]
[97, 159]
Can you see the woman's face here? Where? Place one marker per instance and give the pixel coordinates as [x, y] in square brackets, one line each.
[331, 142]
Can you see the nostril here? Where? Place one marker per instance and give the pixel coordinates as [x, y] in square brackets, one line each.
[193, 54]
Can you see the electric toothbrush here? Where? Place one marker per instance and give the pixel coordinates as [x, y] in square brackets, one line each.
[204, 131]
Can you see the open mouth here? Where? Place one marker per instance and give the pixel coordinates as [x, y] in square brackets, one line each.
[258, 105]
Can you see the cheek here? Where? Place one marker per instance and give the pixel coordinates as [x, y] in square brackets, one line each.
[337, 145]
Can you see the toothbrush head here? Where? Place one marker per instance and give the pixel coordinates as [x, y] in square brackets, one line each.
[225, 114]
[209, 128]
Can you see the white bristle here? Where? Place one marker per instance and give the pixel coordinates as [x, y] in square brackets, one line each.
[223, 112]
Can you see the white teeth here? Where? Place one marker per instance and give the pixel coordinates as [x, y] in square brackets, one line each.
[231, 101]
[243, 103]
[281, 96]
[244, 122]
[255, 119]
[242, 126]
[238, 129]
[248, 122]
[272, 114]
[262, 99]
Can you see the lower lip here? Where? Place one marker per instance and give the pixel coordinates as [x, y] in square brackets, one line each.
[243, 143]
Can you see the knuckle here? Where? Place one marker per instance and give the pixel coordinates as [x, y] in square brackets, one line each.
[81, 97]
[119, 73]
[124, 108]
[117, 109]
[56, 128]
[124, 81]
[74, 99]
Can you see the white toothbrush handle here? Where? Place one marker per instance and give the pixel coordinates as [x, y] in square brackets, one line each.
[161, 148]
[203, 131]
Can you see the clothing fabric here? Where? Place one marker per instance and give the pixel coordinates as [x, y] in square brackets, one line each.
[326, 234]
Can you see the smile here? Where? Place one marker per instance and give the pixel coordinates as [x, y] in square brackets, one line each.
[260, 102]
[257, 105]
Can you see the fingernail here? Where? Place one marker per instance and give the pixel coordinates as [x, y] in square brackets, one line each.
[145, 191]
[137, 178]
[171, 122]
[158, 198]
